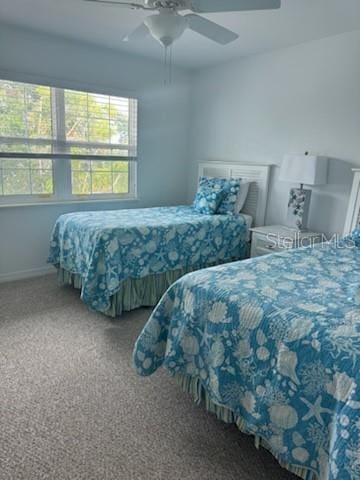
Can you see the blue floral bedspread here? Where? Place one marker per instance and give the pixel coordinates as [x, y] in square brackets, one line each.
[106, 248]
[277, 341]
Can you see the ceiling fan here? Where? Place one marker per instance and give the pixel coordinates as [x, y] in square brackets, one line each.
[167, 24]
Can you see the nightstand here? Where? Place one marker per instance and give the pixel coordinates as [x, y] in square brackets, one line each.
[277, 238]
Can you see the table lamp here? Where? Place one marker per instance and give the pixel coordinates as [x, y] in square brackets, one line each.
[305, 170]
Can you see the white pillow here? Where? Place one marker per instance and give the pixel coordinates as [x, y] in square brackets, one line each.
[242, 195]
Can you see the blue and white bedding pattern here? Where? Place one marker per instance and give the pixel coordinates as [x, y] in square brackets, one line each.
[106, 248]
[276, 340]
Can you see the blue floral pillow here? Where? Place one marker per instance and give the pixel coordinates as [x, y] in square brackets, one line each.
[208, 197]
[230, 187]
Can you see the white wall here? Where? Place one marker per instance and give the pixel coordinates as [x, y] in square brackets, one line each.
[163, 131]
[253, 110]
[301, 98]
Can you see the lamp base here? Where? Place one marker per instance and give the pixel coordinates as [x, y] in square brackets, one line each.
[298, 208]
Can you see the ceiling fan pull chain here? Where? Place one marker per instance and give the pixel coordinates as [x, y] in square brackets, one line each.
[165, 64]
[170, 64]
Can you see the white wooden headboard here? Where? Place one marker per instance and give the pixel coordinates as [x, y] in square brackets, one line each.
[258, 175]
[353, 214]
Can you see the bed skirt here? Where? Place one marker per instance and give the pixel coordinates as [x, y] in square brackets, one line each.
[194, 387]
[134, 292]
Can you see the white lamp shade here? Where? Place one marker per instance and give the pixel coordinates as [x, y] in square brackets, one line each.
[306, 169]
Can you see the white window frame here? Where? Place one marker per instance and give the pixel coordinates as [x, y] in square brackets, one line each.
[61, 170]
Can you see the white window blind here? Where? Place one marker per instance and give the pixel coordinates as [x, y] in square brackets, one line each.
[65, 143]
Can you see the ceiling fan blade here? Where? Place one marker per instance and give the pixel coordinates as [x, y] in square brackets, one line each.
[138, 34]
[212, 6]
[210, 29]
[134, 6]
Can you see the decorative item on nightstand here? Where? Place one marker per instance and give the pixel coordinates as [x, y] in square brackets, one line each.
[304, 169]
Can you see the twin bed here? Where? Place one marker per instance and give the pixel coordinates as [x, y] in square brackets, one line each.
[271, 344]
[125, 259]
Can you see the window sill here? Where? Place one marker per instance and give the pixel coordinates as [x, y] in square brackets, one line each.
[71, 201]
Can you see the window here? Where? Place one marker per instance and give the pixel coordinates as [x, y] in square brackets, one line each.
[58, 144]
[26, 177]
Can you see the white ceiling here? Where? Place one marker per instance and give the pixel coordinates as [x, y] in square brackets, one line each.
[296, 22]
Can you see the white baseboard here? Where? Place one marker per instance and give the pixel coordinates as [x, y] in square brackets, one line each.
[22, 275]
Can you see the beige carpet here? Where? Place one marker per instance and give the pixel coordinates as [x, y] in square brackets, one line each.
[72, 407]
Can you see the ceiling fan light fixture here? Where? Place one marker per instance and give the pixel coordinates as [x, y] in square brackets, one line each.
[166, 27]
